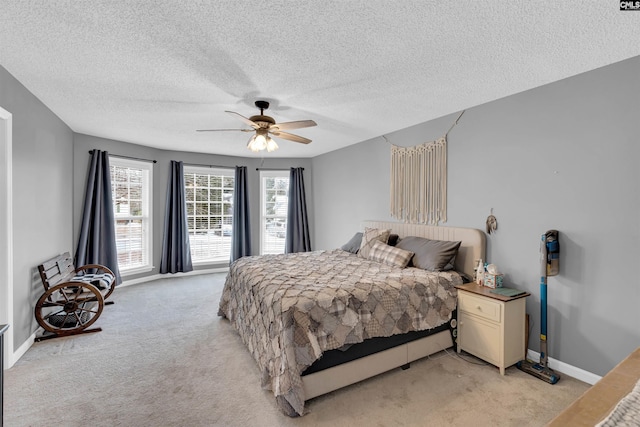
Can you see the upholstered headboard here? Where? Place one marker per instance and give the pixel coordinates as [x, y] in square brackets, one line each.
[471, 249]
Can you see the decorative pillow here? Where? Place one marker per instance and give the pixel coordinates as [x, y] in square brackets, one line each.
[393, 239]
[353, 245]
[433, 255]
[369, 237]
[389, 255]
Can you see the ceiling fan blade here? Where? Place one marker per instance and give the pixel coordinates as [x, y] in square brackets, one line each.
[290, 137]
[224, 130]
[294, 125]
[244, 119]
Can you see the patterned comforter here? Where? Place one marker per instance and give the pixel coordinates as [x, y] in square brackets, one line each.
[289, 309]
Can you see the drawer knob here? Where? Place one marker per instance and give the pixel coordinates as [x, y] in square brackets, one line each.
[478, 307]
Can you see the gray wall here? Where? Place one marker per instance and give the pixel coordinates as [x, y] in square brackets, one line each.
[42, 196]
[563, 156]
[84, 143]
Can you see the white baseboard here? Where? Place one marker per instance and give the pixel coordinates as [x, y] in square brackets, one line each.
[167, 276]
[565, 368]
[17, 354]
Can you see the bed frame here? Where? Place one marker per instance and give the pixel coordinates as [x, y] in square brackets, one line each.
[472, 248]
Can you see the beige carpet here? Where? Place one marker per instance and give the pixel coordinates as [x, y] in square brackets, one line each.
[164, 358]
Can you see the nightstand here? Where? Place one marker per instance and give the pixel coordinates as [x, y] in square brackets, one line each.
[491, 326]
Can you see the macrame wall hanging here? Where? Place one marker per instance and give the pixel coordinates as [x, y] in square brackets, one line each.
[419, 181]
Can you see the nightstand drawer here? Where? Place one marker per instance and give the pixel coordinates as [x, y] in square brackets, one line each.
[479, 306]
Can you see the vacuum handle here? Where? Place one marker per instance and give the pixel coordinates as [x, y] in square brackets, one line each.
[549, 254]
[543, 256]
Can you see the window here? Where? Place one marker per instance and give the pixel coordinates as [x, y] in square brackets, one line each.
[274, 202]
[209, 197]
[131, 191]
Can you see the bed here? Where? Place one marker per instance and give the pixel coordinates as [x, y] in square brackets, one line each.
[293, 311]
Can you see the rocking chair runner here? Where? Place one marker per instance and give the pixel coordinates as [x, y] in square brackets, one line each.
[73, 298]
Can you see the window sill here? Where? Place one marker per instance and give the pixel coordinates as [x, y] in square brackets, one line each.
[211, 263]
[137, 270]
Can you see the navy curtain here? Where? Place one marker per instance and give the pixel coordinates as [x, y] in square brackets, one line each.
[241, 236]
[297, 239]
[176, 251]
[97, 240]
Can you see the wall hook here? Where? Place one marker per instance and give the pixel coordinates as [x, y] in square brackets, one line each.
[492, 223]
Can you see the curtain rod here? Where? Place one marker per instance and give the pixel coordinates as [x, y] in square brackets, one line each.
[274, 169]
[209, 166]
[128, 157]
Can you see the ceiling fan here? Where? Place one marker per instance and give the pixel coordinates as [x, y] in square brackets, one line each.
[265, 127]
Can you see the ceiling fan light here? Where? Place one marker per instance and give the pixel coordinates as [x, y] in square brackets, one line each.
[271, 145]
[260, 142]
[252, 145]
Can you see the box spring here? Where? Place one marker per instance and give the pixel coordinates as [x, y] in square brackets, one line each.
[368, 347]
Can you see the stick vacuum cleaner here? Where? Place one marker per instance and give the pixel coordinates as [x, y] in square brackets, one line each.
[549, 266]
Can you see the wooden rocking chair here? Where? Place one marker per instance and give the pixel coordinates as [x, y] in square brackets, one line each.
[73, 298]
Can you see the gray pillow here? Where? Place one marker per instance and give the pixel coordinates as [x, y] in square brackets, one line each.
[433, 255]
[353, 245]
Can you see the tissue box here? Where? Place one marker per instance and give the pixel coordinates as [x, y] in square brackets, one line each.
[493, 280]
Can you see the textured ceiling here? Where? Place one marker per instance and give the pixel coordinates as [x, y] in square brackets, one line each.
[151, 72]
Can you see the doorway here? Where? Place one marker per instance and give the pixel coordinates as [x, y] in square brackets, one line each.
[6, 234]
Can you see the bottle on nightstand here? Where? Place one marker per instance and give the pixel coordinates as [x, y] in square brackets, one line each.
[480, 273]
